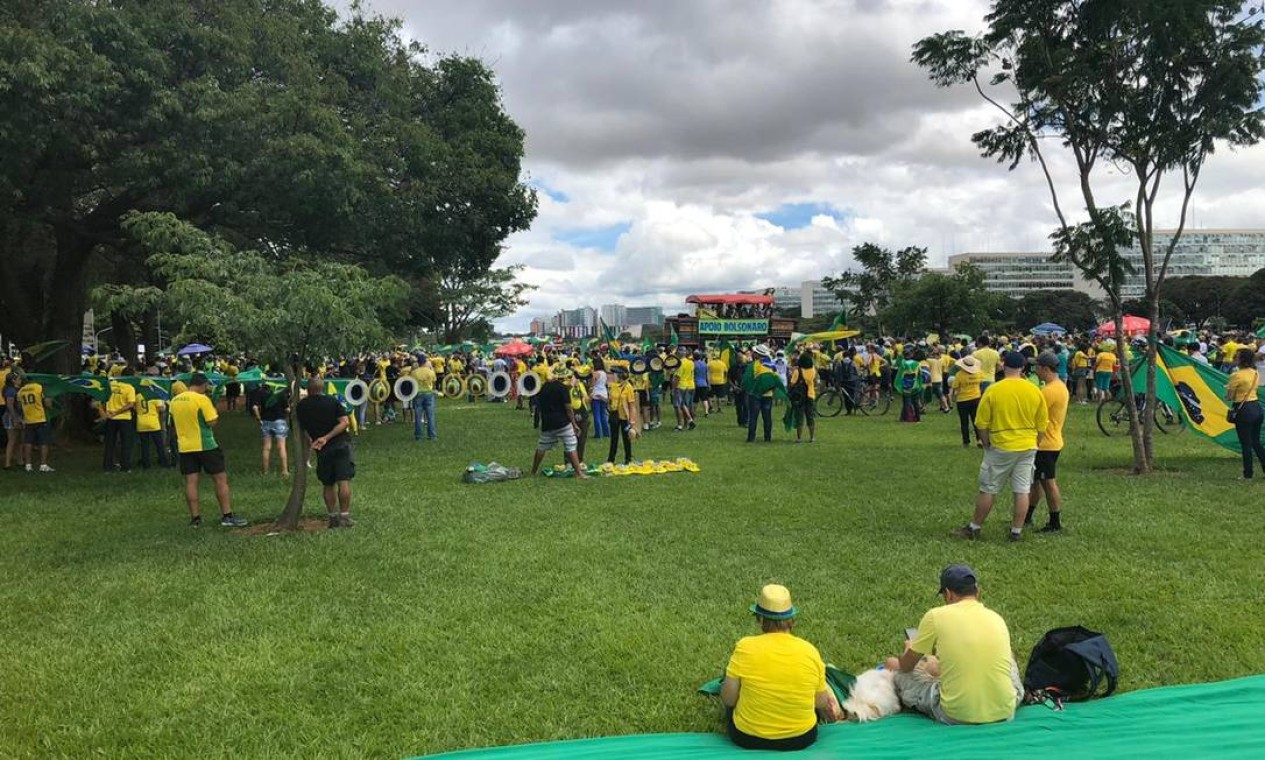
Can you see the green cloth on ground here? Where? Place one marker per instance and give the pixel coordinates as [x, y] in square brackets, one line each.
[1220, 720]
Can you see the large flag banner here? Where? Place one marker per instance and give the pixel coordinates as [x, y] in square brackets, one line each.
[88, 385]
[1195, 389]
[337, 387]
[148, 388]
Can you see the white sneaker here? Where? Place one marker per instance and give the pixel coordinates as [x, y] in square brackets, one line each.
[29, 468]
[46, 468]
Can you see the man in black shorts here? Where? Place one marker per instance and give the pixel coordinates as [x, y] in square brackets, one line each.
[325, 422]
[1050, 444]
[194, 417]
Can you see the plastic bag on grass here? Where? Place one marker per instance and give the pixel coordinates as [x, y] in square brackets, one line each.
[491, 472]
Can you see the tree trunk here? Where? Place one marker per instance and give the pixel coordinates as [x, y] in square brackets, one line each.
[1140, 465]
[289, 519]
[1152, 355]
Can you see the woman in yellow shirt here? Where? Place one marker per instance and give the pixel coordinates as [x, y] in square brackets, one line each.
[622, 413]
[804, 399]
[1241, 396]
[967, 382]
[774, 688]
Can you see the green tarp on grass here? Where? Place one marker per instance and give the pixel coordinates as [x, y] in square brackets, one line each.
[1216, 720]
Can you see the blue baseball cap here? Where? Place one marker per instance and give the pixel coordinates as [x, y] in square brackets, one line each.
[960, 579]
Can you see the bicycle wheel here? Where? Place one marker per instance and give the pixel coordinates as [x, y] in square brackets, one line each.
[1113, 418]
[1168, 420]
[830, 404]
[884, 403]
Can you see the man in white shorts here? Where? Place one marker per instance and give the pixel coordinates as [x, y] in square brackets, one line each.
[1012, 416]
[557, 422]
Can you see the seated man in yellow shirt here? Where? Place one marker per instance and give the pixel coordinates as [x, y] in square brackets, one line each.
[972, 677]
[775, 683]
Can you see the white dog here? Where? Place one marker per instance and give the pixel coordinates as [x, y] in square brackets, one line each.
[873, 696]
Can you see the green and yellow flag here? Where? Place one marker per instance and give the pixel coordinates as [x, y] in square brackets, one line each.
[1195, 389]
[148, 388]
[88, 385]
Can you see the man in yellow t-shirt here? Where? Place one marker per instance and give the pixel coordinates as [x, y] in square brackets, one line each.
[424, 401]
[775, 683]
[1051, 443]
[1012, 416]
[149, 431]
[194, 418]
[683, 391]
[973, 677]
[718, 379]
[988, 359]
[36, 430]
[120, 426]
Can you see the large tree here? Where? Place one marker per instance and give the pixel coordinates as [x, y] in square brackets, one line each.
[1071, 309]
[271, 123]
[287, 309]
[943, 303]
[1144, 88]
[464, 299]
[868, 291]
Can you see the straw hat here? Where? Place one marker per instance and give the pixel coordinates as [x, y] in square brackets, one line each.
[968, 364]
[763, 350]
[774, 603]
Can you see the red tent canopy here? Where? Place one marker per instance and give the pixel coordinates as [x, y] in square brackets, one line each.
[1132, 326]
[738, 298]
[515, 347]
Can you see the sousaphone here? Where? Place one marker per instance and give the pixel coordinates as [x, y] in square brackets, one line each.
[639, 366]
[453, 386]
[656, 364]
[529, 384]
[379, 391]
[356, 393]
[671, 363]
[406, 388]
[476, 386]
[499, 385]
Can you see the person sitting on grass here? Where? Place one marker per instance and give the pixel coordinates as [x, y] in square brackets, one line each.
[972, 677]
[774, 689]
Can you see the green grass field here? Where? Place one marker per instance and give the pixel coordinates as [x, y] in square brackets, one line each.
[456, 616]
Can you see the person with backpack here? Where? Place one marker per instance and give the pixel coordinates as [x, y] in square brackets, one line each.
[909, 383]
[970, 676]
[803, 393]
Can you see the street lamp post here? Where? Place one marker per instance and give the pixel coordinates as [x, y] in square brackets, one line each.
[96, 339]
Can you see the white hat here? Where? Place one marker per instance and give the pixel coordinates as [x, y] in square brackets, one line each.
[763, 350]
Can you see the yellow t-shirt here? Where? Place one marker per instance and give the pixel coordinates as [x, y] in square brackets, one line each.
[1080, 360]
[192, 413]
[639, 382]
[988, 359]
[973, 645]
[1012, 411]
[148, 419]
[31, 397]
[455, 366]
[1242, 386]
[1056, 397]
[781, 677]
[1228, 350]
[122, 396]
[810, 379]
[579, 396]
[424, 376]
[437, 364]
[622, 397]
[717, 372]
[936, 368]
[1105, 362]
[685, 375]
[967, 386]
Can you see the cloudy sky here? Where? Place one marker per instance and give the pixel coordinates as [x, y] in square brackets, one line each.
[685, 146]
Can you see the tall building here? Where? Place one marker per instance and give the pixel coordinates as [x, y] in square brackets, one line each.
[810, 298]
[575, 323]
[644, 315]
[615, 316]
[539, 327]
[1210, 252]
[1018, 272]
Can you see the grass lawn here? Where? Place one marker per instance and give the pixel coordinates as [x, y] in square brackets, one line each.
[455, 616]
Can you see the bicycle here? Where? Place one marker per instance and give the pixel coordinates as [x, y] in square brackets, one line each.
[1113, 415]
[833, 400]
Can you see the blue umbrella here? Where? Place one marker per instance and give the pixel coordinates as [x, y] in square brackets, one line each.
[194, 348]
[1048, 328]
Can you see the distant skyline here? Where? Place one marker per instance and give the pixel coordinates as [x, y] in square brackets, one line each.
[721, 145]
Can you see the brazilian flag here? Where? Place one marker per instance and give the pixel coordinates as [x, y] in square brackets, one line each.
[1197, 390]
[88, 385]
[756, 385]
[148, 388]
[337, 388]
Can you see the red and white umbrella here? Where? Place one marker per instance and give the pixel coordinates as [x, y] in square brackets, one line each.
[1132, 326]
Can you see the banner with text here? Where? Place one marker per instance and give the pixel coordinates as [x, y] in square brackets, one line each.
[733, 327]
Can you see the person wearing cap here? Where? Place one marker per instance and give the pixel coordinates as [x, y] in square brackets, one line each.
[194, 417]
[973, 677]
[967, 383]
[774, 689]
[1012, 417]
[557, 423]
[760, 408]
[1051, 444]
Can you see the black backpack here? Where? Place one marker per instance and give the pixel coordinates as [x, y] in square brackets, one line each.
[1070, 665]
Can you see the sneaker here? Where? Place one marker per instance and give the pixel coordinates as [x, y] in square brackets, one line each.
[195, 522]
[678, 429]
[46, 468]
[966, 532]
[29, 468]
[345, 521]
[334, 522]
[692, 425]
[1050, 529]
[233, 522]
[1015, 537]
